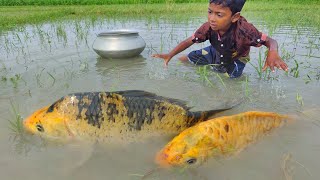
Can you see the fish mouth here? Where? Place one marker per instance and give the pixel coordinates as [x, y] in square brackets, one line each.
[26, 127]
[162, 160]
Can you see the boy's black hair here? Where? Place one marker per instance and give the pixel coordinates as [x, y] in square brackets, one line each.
[234, 5]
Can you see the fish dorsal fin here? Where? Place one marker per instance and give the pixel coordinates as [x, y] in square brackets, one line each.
[149, 95]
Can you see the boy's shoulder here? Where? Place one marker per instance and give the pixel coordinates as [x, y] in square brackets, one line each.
[245, 27]
[248, 34]
[243, 22]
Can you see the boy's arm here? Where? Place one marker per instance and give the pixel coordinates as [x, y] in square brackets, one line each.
[273, 58]
[179, 48]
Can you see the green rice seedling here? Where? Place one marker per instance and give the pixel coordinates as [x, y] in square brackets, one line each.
[312, 46]
[4, 78]
[29, 93]
[286, 55]
[269, 76]
[48, 40]
[318, 74]
[4, 68]
[259, 67]
[299, 99]
[247, 89]
[171, 34]
[6, 43]
[38, 77]
[288, 166]
[204, 73]
[221, 80]
[295, 70]
[161, 42]
[70, 74]
[295, 40]
[16, 124]
[82, 32]
[61, 34]
[15, 79]
[153, 49]
[84, 66]
[66, 85]
[54, 79]
[308, 79]
[22, 142]
[19, 39]
[26, 35]
[40, 34]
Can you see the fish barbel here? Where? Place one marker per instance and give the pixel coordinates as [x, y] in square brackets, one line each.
[121, 114]
[222, 135]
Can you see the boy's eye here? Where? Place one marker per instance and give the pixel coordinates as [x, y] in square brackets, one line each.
[219, 14]
[209, 11]
[39, 128]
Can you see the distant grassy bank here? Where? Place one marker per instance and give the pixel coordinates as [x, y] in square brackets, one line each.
[90, 2]
[104, 2]
[274, 12]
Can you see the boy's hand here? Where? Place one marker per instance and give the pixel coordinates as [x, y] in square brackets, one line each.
[179, 48]
[165, 57]
[274, 60]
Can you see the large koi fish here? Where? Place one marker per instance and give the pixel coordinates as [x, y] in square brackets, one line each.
[222, 135]
[122, 114]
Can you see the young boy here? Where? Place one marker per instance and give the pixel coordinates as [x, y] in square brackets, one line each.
[230, 36]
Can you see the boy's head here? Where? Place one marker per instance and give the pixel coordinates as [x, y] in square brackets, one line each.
[222, 13]
[234, 5]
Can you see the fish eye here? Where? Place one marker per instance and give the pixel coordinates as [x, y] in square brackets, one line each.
[191, 161]
[39, 128]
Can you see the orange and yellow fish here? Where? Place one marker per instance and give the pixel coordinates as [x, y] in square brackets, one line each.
[222, 135]
[103, 116]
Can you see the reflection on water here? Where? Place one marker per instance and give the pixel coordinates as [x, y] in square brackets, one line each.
[109, 66]
[41, 63]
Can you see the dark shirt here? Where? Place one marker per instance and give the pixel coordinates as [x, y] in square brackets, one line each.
[235, 43]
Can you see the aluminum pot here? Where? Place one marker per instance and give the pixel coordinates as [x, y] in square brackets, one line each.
[119, 44]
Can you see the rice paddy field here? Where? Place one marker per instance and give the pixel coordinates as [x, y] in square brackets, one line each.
[46, 53]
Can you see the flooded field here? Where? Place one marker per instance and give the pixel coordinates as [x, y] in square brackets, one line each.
[41, 63]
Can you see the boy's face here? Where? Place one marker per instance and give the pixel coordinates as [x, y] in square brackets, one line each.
[221, 18]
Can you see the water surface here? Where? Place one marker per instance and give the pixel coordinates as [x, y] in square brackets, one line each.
[41, 63]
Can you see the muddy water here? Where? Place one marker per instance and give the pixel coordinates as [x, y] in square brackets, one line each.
[42, 63]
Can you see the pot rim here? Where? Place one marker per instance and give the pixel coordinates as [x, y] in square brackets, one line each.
[118, 32]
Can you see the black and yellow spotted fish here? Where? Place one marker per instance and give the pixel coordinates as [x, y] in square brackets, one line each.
[124, 115]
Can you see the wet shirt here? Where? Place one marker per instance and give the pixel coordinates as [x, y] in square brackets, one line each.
[235, 43]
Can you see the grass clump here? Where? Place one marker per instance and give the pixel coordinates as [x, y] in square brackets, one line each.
[205, 72]
[22, 141]
[16, 123]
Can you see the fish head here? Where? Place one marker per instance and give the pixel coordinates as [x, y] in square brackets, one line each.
[46, 124]
[188, 149]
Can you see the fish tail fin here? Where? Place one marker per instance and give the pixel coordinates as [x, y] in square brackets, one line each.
[199, 116]
[206, 114]
[284, 118]
[289, 119]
